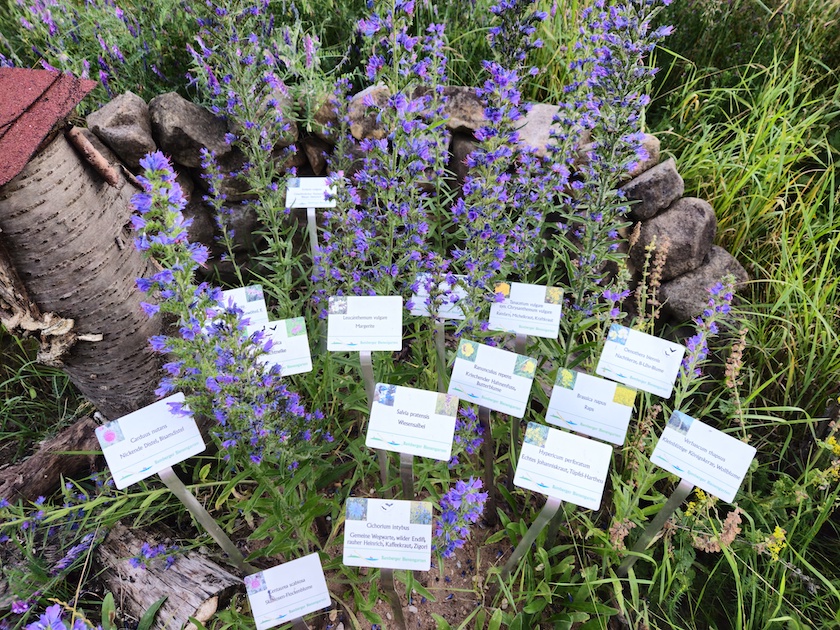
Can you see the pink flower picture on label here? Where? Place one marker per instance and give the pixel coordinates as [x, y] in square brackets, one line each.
[109, 434]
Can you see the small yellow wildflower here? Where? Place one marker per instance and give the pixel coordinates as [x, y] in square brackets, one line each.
[831, 442]
[776, 543]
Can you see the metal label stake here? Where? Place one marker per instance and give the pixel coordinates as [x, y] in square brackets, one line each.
[407, 475]
[366, 363]
[656, 525]
[489, 456]
[177, 487]
[552, 505]
[440, 347]
[520, 348]
[387, 580]
[313, 231]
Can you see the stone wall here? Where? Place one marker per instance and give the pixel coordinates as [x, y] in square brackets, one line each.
[130, 128]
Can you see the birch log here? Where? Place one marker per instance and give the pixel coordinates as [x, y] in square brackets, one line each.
[194, 586]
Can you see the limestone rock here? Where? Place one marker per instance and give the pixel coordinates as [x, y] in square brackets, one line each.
[688, 227]
[654, 190]
[685, 297]
[536, 129]
[364, 111]
[123, 124]
[463, 109]
[651, 146]
[182, 129]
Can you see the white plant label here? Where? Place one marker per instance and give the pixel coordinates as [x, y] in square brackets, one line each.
[146, 441]
[359, 323]
[290, 345]
[412, 421]
[640, 360]
[590, 405]
[563, 465]
[449, 309]
[288, 591]
[702, 455]
[309, 192]
[528, 309]
[492, 377]
[388, 534]
[251, 301]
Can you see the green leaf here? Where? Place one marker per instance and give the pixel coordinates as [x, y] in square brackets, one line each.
[149, 616]
[495, 620]
[442, 624]
[535, 606]
[109, 613]
[518, 623]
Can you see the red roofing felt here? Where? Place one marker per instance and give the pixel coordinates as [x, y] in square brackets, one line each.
[31, 103]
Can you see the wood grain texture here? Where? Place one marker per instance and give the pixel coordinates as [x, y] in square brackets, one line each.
[66, 233]
[194, 583]
[41, 473]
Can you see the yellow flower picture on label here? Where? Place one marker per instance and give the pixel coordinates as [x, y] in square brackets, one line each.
[525, 366]
[566, 379]
[624, 396]
[467, 350]
[502, 288]
[554, 295]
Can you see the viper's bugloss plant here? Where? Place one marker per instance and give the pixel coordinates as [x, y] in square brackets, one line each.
[254, 71]
[500, 213]
[376, 238]
[212, 359]
[603, 112]
[707, 326]
[45, 544]
[149, 554]
[460, 508]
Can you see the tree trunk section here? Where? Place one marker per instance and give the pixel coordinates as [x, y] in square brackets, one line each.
[66, 233]
[194, 585]
[41, 473]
